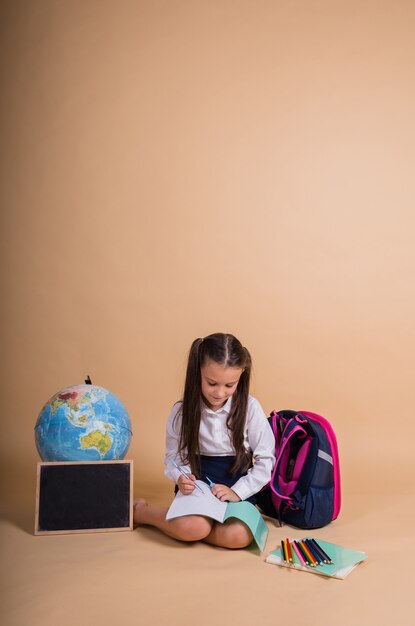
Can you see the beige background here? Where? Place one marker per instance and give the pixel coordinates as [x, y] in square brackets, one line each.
[175, 168]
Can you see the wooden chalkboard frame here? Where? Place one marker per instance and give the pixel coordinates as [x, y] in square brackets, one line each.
[59, 487]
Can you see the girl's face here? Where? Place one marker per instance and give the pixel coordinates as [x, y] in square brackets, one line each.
[218, 383]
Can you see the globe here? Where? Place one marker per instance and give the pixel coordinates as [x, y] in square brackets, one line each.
[83, 423]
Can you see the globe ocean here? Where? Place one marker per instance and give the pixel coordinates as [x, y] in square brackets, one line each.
[83, 423]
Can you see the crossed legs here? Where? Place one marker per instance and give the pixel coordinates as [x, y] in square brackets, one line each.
[232, 534]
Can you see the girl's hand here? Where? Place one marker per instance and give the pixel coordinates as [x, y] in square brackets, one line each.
[224, 493]
[186, 485]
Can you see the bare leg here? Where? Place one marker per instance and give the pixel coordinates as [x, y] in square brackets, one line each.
[186, 528]
[232, 534]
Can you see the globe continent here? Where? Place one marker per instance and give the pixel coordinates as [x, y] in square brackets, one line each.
[83, 423]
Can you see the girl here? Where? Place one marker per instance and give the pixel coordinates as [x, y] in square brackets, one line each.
[218, 430]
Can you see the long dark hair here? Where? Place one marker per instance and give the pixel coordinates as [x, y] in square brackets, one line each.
[226, 350]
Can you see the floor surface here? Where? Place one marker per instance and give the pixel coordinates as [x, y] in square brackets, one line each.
[142, 577]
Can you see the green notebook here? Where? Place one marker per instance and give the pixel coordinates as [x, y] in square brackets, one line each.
[202, 502]
[344, 560]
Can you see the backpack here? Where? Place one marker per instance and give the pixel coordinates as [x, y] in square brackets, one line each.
[304, 490]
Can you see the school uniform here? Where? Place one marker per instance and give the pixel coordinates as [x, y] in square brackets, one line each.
[217, 453]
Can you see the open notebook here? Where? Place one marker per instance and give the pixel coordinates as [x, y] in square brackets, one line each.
[203, 502]
[344, 560]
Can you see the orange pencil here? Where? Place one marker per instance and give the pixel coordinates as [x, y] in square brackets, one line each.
[310, 557]
[301, 549]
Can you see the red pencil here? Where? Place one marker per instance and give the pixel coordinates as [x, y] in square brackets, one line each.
[289, 552]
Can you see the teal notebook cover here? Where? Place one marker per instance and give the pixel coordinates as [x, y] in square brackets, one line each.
[344, 560]
[249, 514]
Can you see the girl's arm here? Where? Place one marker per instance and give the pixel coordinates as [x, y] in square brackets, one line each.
[260, 439]
[172, 445]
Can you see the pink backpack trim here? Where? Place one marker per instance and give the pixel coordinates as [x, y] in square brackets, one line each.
[336, 469]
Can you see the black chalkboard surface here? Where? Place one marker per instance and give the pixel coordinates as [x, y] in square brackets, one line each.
[74, 497]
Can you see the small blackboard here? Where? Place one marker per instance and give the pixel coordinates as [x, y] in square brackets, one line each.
[74, 497]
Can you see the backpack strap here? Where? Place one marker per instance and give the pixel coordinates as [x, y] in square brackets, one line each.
[273, 422]
[278, 424]
[293, 429]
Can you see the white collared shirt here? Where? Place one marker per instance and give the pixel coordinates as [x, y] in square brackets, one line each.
[214, 440]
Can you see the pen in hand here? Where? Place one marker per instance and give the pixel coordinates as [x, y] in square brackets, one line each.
[211, 483]
[181, 470]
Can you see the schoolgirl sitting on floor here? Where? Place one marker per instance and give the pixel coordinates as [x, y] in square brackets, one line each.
[220, 431]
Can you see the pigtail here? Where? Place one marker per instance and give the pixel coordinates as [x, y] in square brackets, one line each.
[237, 417]
[190, 409]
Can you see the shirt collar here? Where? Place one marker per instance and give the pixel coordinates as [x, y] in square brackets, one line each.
[226, 408]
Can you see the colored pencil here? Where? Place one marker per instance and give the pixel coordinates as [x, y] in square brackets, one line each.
[311, 559]
[289, 552]
[323, 552]
[315, 553]
[286, 551]
[303, 552]
[298, 553]
[317, 549]
[283, 554]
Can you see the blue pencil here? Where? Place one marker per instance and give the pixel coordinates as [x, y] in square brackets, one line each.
[318, 550]
[315, 553]
[326, 557]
